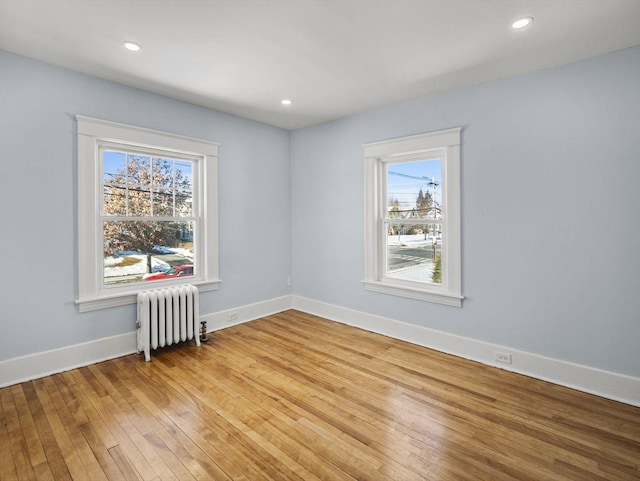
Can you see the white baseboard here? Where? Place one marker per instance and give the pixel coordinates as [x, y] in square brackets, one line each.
[606, 384]
[231, 317]
[40, 364]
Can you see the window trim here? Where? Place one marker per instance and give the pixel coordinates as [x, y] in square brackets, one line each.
[91, 135]
[376, 156]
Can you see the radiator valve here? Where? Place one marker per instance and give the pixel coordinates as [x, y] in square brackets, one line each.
[203, 331]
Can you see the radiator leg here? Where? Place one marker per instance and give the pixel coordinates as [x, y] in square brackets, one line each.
[196, 317]
[203, 332]
[144, 342]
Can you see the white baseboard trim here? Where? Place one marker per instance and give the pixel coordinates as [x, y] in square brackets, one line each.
[40, 364]
[606, 384]
[238, 315]
[617, 387]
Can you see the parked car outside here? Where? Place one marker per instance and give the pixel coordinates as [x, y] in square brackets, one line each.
[175, 271]
[161, 250]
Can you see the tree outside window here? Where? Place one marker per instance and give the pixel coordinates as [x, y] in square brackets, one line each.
[147, 196]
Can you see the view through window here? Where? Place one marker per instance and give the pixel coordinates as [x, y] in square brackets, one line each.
[414, 221]
[148, 217]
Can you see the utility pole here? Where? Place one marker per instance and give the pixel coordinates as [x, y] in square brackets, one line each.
[433, 184]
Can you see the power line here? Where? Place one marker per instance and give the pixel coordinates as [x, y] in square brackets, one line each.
[409, 176]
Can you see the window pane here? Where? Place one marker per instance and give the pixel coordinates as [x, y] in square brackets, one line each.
[413, 189]
[163, 202]
[414, 252]
[114, 181]
[184, 188]
[162, 186]
[184, 203]
[138, 185]
[147, 250]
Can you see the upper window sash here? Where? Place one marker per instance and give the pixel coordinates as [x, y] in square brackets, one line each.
[127, 149]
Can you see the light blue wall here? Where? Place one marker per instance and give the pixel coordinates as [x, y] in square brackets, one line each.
[38, 194]
[550, 197]
[550, 211]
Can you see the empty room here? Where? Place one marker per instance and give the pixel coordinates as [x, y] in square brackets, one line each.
[298, 240]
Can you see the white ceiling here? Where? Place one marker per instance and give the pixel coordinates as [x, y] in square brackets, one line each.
[333, 58]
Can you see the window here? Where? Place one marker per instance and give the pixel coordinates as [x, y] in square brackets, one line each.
[147, 212]
[412, 217]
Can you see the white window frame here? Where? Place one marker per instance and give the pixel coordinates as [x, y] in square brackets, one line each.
[377, 155]
[93, 135]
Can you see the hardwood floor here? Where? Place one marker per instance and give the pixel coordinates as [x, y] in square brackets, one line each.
[297, 397]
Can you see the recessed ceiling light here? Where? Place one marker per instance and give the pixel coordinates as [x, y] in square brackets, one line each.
[134, 47]
[522, 22]
[286, 102]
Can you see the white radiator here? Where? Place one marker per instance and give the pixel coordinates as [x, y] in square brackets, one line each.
[167, 316]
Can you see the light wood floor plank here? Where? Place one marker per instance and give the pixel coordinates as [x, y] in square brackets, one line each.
[192, 391]
[135, 421]
[29, 431]
[7, 417]
[294, 397]
[124, 465]
[43, 472]
[17, 441]
[87, 399]
[60, 441]
[54, 462]
[128, 456]
[256, 422]
[328, 393]
[67, 407]
[227, 404]
[313, 402]
[499, 435]
[516, 414]
[184, 421]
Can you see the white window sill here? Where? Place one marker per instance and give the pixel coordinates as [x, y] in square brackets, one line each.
[104, 302]
[445, 298]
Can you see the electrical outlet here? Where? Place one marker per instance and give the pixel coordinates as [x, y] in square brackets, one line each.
[289, 281]
[503, 357]
[233, 316]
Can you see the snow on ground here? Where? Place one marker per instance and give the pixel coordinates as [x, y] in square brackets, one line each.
[112, 269]
[420, 273]
[413, 240]
[112, 261]
[182, 252]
